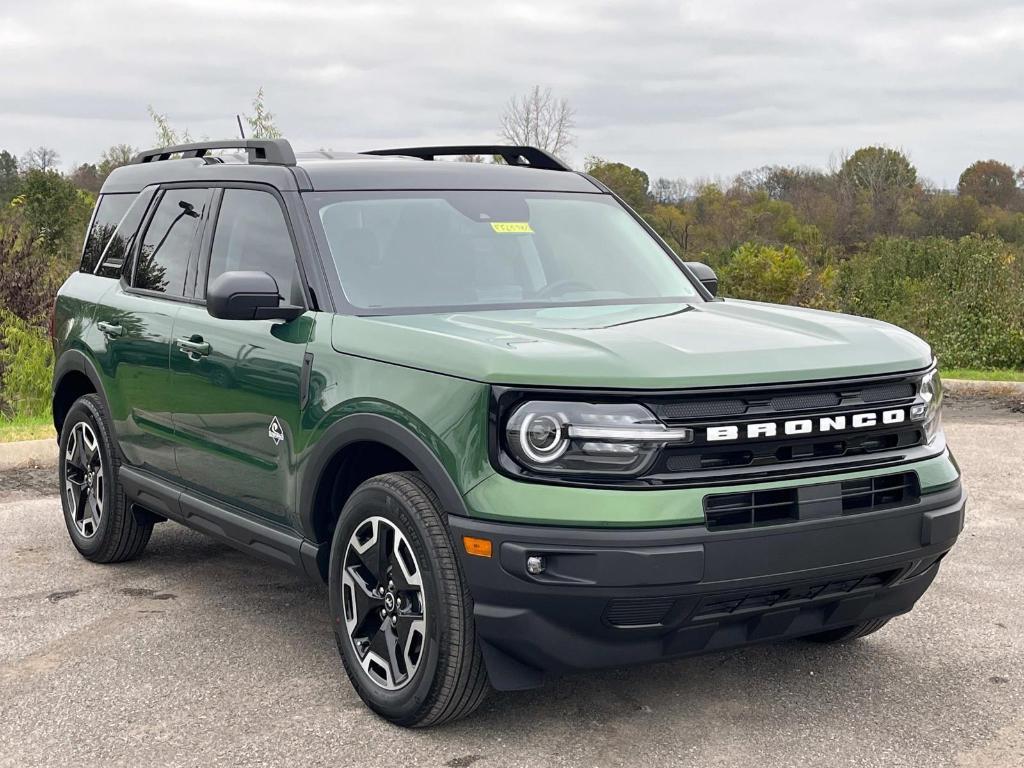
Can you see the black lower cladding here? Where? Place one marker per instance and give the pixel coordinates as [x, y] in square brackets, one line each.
[609, 597]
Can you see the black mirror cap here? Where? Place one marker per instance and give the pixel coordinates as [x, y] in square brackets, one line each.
[705, 274]
[247, 296]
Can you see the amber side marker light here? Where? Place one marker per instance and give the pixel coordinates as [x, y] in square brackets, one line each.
[477, 547]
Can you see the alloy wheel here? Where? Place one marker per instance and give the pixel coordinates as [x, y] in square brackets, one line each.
[384, 603]
[83, 479]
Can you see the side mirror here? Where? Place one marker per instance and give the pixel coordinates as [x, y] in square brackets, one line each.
[248, 296]
[705, 274]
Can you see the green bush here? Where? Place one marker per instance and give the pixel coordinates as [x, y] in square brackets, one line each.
[965, 297]
[763, 273]
[26, 365]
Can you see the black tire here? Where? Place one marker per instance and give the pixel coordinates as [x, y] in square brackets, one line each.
[118, 535]
[845, 634]
[449, 680]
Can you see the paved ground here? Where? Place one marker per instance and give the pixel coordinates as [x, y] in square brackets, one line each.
[196, 655]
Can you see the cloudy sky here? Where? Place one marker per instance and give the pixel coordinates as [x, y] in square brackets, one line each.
[692, 89]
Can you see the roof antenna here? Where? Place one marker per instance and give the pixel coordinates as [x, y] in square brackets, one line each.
[239, 119]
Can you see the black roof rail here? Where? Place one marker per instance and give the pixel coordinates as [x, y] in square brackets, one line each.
[263, 151]
[527, 157]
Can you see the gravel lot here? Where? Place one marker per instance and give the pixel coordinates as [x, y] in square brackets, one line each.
[196, 655]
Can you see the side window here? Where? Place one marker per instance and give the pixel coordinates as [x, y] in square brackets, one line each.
[115, 255]
[110, 209]
[163, 256]
[252, 235]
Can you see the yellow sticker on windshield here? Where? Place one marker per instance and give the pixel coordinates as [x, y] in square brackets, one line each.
[511, 227]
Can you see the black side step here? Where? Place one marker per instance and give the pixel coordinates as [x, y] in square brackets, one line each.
[234, 528]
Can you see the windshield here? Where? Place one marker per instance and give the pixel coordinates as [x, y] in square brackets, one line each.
[447, 250]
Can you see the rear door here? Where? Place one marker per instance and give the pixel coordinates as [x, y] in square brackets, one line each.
[237, 383]
[137, 319]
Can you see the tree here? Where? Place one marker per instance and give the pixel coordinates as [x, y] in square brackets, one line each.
[10, 181]
[672, 224]
[669, 191]
[261, 122]
[879, 169]
[539, 119]
[87, 177]
[40, 159]
[631, 184]
[166, 136]
[54, 211]
[877, 187]
[114, 157]
[990, 183]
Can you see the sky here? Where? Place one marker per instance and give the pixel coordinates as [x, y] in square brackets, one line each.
[680, 89]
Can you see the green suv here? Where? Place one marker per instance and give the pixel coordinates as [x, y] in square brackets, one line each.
[491, 409]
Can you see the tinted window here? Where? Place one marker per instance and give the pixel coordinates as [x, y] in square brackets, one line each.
[454, 249]
[109, 211]
[252, 235]
[116, 252]
[163, 257]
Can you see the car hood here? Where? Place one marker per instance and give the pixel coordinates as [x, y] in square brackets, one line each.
[651, 346]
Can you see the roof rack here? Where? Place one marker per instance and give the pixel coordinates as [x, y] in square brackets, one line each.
[527, 157]
[263, 151]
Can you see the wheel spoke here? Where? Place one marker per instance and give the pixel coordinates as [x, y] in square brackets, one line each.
[366, 604]
[81, 459]
[385, 535]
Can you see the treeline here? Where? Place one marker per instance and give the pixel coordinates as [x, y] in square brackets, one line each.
[868, 237]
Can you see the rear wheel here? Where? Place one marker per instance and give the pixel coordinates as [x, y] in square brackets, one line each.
[403, 617]
[98, 518]
[845, 634]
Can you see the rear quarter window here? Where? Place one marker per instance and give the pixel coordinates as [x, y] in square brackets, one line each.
[110, 210]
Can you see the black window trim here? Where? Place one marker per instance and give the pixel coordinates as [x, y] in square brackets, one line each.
[201, 267]
[128, 275]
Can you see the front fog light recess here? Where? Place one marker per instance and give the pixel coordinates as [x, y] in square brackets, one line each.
[588, 438]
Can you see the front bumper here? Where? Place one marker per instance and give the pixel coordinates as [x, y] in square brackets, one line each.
[612, 597]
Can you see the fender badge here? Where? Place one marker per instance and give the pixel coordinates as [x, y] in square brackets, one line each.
[275, 432]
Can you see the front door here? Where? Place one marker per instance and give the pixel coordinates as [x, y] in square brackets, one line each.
[237, 382]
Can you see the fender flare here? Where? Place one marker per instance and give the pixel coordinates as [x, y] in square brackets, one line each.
[371, 427]
[74, 360]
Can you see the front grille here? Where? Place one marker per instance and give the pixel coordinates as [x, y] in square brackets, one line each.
[727, 511]
[768, 452]
[638, 611]
[778, 405]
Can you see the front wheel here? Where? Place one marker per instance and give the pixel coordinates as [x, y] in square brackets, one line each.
[403, 616]
[99, 519]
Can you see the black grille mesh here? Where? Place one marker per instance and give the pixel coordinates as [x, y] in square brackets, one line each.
[699, 409]
[637, 612]
[887, 392]
[806, 402]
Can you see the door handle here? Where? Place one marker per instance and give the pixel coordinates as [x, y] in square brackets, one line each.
[110, 330]
[194, 347]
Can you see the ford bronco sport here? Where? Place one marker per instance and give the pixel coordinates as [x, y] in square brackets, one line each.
[492, 410]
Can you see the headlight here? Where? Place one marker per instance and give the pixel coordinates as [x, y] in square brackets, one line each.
[588, 438]
[929, 409]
